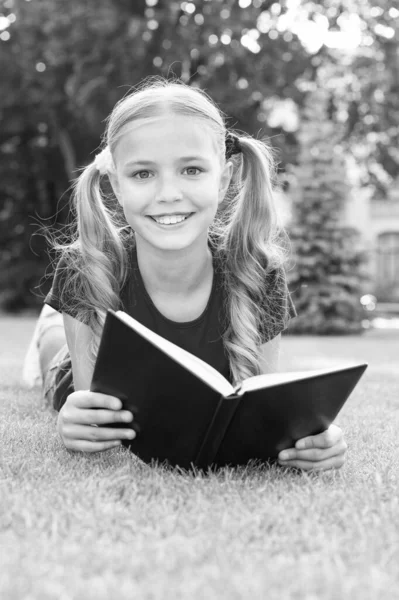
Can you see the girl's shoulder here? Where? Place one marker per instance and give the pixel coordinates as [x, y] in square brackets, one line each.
[63, 295]
[277, 306]
[274, 284]
[276, 289]
[59, 276]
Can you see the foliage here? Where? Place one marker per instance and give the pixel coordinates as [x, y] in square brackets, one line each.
[327, 278]
[65, 64]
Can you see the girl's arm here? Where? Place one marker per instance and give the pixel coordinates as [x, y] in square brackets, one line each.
[270, 355]
[78, 337]
[83, 408]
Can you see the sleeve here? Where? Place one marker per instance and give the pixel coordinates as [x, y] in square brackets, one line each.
[278, 307]
[53, 298]
[59, 296]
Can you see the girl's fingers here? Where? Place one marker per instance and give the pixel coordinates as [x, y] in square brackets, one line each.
[87, 399]
[336, 462]
[96, 434]
[326, 439]
[314, 454]
[98, 416]
[85, 446]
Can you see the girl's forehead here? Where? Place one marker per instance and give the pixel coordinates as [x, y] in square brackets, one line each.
[162, 134]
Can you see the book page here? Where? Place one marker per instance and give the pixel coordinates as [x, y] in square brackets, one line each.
[270, 379]
[200, 368]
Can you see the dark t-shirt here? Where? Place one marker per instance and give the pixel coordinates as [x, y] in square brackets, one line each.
[202, 336]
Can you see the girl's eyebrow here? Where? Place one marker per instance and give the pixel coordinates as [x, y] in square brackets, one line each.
[181, 159]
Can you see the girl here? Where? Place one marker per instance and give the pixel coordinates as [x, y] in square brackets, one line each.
[176, 225]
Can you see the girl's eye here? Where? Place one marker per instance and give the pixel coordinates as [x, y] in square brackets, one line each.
[196, 169]
[139, 173]
[186, 169]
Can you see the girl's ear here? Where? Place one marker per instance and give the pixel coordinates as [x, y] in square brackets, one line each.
[225, 180]
[113, 179]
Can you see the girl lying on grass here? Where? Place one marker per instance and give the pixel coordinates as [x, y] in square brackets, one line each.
[176, 225]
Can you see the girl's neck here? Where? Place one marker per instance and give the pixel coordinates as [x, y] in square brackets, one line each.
[174, 274]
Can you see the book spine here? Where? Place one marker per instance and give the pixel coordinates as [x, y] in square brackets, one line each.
[221, 420]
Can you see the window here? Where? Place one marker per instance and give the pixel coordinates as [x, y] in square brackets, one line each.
[388, 260]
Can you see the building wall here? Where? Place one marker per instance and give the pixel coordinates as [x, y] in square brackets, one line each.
[378, 223]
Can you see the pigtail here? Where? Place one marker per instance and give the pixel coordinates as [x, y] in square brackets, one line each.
[251, 241]
[97, 261]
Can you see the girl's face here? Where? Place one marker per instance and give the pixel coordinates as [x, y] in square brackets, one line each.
[169, 168]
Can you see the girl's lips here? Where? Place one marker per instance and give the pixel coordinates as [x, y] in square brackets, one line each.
[187, 217]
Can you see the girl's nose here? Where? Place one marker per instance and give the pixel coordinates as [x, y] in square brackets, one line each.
[168, 190]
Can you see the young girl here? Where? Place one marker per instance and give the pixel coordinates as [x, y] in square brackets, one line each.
[176, 225]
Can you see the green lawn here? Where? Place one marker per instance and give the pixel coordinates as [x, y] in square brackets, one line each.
[106, 526]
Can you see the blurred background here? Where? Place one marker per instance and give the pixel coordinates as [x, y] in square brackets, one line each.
[318, 80]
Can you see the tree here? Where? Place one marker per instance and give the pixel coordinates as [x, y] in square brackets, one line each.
[327, 277]
[65, 64]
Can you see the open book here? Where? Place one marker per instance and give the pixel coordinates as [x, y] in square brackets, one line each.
[187, 413]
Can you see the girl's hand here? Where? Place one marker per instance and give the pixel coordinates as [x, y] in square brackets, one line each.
[317, 452]
[80, 412]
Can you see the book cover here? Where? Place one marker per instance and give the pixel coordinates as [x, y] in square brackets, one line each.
[186, 413]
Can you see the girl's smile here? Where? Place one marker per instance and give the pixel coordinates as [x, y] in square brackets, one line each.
[172, 220]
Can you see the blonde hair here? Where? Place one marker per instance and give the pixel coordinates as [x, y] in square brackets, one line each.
[245, 234]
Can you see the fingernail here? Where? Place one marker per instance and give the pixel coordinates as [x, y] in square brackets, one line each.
[131, 434]
[284, 455]
[128, 417]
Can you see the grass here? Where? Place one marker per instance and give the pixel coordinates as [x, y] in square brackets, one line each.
[107, 526]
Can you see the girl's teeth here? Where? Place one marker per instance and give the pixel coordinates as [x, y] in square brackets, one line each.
[170, 220]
